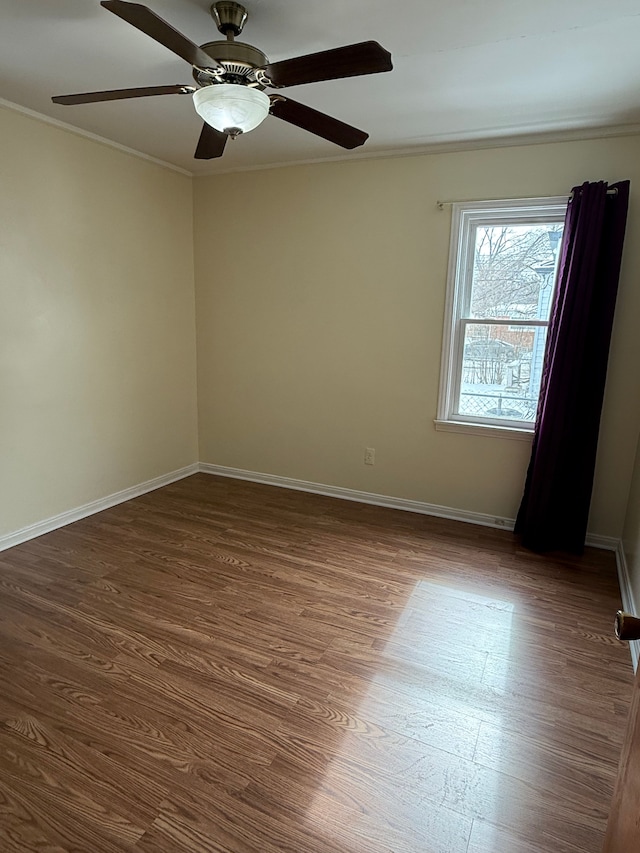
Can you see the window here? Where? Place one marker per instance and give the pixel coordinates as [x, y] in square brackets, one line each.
[502, 271]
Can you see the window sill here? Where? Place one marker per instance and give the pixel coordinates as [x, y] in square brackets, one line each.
[484, 429]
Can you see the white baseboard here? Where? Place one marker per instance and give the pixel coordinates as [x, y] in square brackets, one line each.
[628, 602]
[606, 543]
[39, 528]
[609, 543]
[56, 521]
[594, 540]
[360, 497]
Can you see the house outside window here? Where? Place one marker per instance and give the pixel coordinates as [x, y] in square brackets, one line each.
[502, 271]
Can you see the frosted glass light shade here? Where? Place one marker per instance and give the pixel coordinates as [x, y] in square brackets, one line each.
[229, 107]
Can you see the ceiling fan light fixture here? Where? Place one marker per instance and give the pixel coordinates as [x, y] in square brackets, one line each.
[231, 108]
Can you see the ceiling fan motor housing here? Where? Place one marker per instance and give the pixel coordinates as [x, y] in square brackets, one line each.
[230, 17]
[239, 60]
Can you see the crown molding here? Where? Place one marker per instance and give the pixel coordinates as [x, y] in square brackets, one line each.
[452, 146]
[435, 145]
[78, 131]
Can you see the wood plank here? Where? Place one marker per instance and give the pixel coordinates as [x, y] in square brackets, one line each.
[226, 666]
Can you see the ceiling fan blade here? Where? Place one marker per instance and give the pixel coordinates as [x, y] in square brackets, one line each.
[152, 25]
[211, 143]
[315, 122]
[367, 57]
[121, 94]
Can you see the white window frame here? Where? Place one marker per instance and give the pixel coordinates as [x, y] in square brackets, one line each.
[466, 217]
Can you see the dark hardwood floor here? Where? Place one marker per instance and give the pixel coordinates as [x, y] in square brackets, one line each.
[223, 666]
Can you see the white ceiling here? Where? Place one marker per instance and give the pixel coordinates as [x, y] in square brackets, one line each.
[463, 70]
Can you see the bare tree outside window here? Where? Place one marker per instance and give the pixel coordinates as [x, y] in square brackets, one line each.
[501, 282]
[511, 266]
[513, 278]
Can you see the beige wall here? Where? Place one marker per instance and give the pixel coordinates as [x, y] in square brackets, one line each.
[320, 293]
[97, 333]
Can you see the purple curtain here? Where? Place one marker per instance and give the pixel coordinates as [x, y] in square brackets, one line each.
[555, 506]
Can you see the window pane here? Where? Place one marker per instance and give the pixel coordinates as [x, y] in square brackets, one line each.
[501, 371]
[514, 270]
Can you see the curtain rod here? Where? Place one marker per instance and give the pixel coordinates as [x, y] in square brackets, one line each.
[612, 191]
[441, 204]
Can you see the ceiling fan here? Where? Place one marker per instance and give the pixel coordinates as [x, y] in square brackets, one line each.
[231, 76]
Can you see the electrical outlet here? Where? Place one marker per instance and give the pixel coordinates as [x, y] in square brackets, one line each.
[369, 456]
